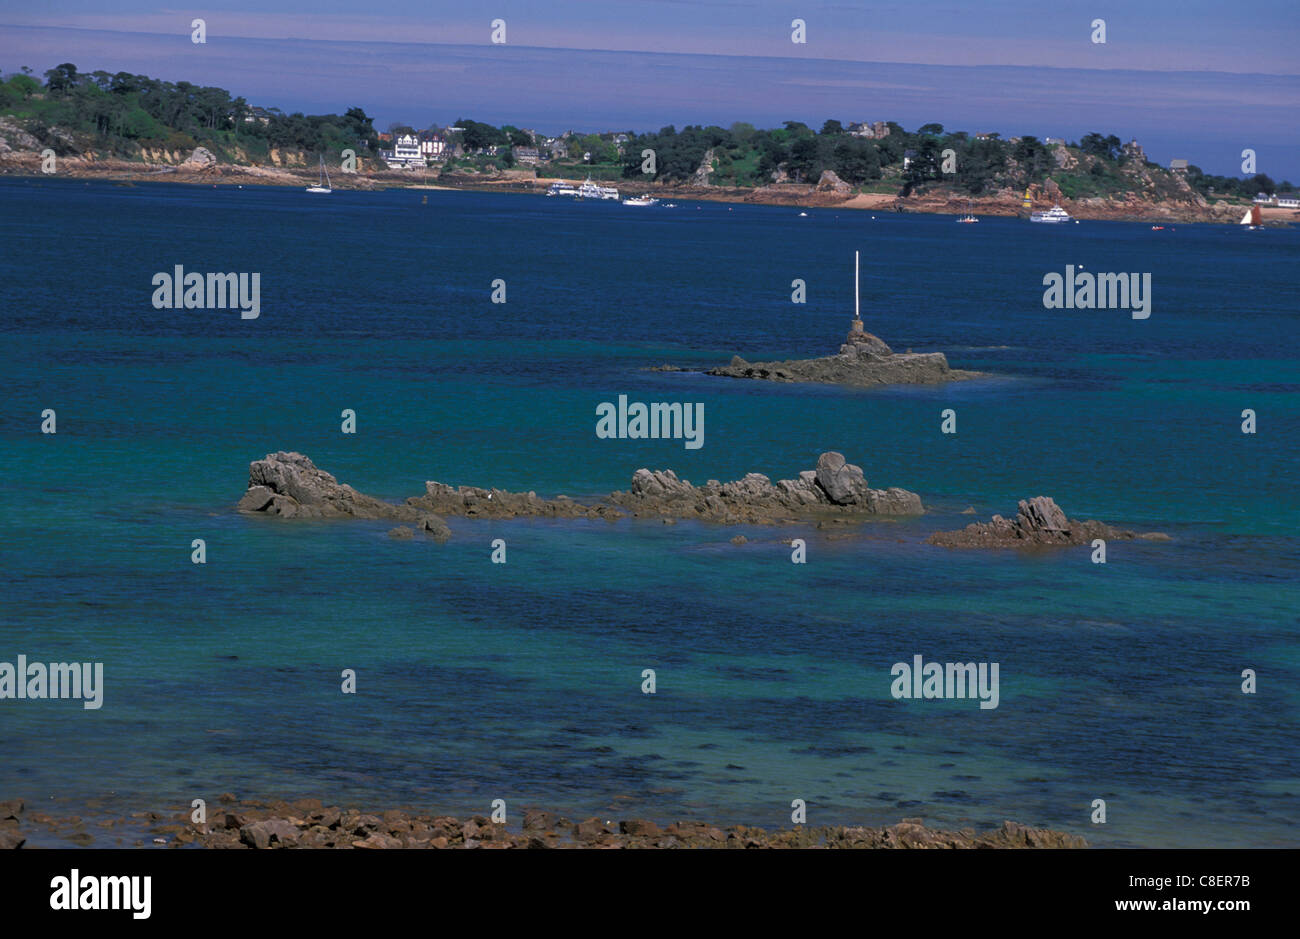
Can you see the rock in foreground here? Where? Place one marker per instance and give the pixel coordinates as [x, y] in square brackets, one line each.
[289, 485]
[307, 823]
[1039, 522]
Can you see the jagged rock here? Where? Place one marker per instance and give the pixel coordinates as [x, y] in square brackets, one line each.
[1039, 521]
[289, 485]
[859, 343]
[830, 182]
[201, 158]
[401, 533]
[11, 840]
[435, 528]
[843, 483]
[269, 831]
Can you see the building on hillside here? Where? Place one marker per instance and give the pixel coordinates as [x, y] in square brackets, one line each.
[874, 130]
[433, 145]
[908, 157]
[405, 153]
[1288, 202]
[1054, 141]
[1178, 166]
[526, 156]
[256, 115]
[1133, 152]
[1262, 198]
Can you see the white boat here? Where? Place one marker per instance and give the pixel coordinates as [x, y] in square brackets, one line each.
[561, 189]
[967, 218]
[803, 214]
[324, 185]
[1254, 218]
[640, 200]
[1054, 215]
[589, 190]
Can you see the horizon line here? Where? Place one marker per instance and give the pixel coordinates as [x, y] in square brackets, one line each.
[717, 55]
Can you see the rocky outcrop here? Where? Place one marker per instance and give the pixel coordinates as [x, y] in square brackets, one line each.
[705, 170]
[835, 488]
[307, 823]
[830, 182]
[863, 360]
[200, 159]
[289, 485]
[1040, 522]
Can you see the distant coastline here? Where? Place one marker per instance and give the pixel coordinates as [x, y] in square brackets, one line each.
[1001, 204]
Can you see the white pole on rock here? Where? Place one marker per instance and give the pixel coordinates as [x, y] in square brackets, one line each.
[856, 313]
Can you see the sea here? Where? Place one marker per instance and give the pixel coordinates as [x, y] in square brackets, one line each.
[1164, 682]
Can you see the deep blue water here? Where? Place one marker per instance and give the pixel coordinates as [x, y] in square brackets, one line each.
[522, 681]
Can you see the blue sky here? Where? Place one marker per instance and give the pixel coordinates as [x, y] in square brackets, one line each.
[1197, 79]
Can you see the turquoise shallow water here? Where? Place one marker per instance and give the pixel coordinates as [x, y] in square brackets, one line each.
[522, 681]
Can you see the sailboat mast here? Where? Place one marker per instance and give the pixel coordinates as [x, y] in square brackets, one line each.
[856, 293]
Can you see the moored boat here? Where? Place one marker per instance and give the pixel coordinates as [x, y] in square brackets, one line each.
[1054, 215]
[324, 185]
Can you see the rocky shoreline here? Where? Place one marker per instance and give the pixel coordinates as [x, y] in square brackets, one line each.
[191, 171]
[308, 823]
[289, 485]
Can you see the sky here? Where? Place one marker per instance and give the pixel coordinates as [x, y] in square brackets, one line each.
[1197, 79]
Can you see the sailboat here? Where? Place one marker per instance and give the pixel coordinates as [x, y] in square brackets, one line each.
[1253, 217]
[968, 217]
[324, 185]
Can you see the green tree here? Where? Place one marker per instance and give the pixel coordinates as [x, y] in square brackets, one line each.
[61, 79]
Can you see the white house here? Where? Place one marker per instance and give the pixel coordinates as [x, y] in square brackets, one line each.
[405, 152]
[432, 145]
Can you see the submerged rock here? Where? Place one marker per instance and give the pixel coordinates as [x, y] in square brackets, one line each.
[1038, 522]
